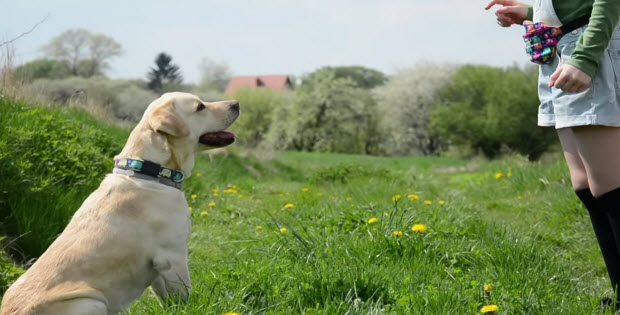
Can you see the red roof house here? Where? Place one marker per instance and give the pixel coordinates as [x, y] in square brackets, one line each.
[272, 82]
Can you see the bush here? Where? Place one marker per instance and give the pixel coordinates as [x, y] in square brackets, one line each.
[50, 161]
[124, 99]
[489, 109]
[329, 115]
[257, 107]
[43, 69]
[404, 104]
[9, 272]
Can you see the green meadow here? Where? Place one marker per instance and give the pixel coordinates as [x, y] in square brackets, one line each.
[315, 233]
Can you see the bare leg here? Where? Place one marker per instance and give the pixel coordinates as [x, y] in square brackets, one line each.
[574, 150]
[599, 148]
[578, 175]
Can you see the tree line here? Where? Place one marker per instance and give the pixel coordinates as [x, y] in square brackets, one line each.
[423, 110]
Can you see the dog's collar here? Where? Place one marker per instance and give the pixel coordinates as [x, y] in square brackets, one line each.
[149, 170]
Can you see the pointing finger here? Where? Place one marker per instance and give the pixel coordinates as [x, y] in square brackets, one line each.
[500, 2]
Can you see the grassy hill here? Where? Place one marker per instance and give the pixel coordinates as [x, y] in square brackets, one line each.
[328, 233]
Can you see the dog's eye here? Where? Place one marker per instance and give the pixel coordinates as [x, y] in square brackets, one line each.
[201, 106]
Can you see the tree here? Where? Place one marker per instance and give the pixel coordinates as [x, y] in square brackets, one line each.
[258, 106]
[404, 104]
[488, 108]
[214, 75]
[363, 77]
[329, 114]
[88, 54]
[165, 73]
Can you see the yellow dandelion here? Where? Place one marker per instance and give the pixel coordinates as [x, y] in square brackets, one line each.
[288, 206]
[396, 197]
[499, 175]
[231, 313]
[230, 191]
[215, 190]
[305, 189]
[194, 196]
[420, 228]
[198, 174]
[487, 287]
[428, 202]
[259, 227]
[211, 204]
[509, 174]
[489, 308]
[441, 202]
[397, 233]
[373, 220]
[283, 230]
[191, 208]
[413, 197]
[204, 213]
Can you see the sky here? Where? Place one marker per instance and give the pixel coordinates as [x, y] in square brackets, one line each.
[256, 37]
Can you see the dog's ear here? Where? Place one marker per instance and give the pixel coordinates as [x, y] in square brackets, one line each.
[164, 119]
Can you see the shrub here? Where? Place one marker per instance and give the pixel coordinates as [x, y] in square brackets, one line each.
[9, 272]
[124, 99]
[490, 108]
[329, 114]
[404, 105]
[257, 107]
[43, 69]
[50, 162]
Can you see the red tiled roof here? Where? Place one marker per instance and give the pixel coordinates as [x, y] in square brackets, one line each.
[273, 82]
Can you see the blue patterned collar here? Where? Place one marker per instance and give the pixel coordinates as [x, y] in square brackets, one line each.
[149, 170]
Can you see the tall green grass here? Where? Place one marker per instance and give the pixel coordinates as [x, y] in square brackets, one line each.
[51, 160]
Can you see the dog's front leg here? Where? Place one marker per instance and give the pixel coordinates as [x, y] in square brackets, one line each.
[173, 282]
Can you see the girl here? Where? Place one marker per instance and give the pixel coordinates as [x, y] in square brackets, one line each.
[579, 93]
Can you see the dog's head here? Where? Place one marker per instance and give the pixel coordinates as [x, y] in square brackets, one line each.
[184, 117]
[176, 125]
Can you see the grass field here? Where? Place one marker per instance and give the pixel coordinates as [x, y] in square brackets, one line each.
[308, 233]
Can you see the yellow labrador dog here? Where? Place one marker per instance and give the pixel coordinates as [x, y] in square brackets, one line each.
[132, 232]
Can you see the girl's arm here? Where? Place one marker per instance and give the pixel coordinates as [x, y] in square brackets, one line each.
[595, 39]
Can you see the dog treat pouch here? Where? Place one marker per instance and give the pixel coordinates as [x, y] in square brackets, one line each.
[541, 40]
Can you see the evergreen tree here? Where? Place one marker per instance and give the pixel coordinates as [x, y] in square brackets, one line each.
[163, 74]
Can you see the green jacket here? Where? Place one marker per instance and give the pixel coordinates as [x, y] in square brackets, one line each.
[604, 15]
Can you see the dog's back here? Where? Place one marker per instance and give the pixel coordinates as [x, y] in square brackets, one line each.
[106, 249]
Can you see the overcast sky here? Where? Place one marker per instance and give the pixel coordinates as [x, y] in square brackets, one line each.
[272, 36]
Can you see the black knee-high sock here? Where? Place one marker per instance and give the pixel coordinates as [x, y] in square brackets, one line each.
[604, 230]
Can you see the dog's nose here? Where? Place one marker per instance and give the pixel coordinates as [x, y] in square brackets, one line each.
[234, 106]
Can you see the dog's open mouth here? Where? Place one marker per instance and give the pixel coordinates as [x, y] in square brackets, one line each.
[218, 139]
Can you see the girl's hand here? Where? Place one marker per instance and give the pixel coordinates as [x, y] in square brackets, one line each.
[570, 79]
[511, 12]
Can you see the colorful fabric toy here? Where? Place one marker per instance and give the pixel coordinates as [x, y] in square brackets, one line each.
[541, 40]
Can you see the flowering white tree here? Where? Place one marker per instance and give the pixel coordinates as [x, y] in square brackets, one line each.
[404, 104]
